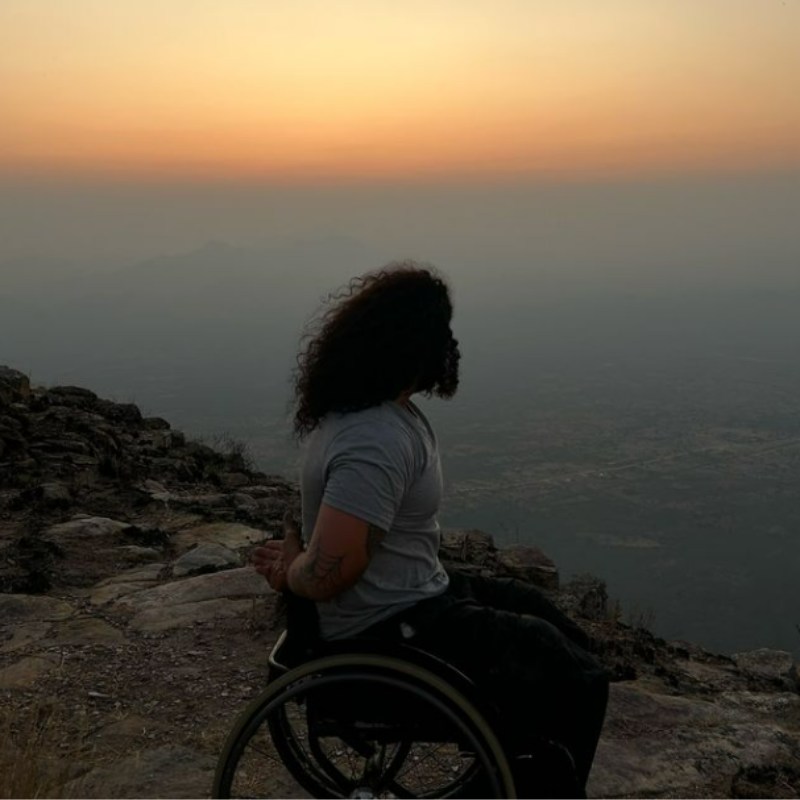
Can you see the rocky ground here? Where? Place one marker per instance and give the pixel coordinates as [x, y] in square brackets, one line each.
[132, 631]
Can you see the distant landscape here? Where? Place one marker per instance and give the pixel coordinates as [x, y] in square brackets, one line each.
[651, 437]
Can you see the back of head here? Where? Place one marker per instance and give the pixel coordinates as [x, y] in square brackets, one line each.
[386, 333]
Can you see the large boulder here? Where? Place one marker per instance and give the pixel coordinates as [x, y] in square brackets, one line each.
[207, 557]
[777, 667]
[14, 386]
[528, 564]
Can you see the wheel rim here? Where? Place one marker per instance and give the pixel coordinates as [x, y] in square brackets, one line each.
[357, 761]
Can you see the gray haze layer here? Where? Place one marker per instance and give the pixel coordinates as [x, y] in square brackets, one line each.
[631, 383]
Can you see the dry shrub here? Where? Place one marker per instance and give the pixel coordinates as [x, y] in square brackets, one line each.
[37, 754]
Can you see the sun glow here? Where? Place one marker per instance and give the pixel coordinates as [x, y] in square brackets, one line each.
[362, 89]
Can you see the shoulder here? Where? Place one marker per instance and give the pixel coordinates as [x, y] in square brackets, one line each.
[379, 424]
[378, 434]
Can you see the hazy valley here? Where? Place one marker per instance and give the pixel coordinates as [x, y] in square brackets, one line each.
[651, 437]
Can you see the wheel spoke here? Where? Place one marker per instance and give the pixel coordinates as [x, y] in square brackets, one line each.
[329, 747]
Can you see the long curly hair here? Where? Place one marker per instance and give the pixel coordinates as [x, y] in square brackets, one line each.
[386, 332]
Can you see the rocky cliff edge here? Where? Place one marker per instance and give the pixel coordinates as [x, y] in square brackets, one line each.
[132, 631]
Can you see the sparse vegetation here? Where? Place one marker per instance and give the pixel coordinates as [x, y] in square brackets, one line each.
[236, 451]
[39, 754]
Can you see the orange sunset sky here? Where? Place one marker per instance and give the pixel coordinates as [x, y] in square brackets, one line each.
[303, 89]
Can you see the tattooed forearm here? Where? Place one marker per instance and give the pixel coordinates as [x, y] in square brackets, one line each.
[322, 569]
[333, 562]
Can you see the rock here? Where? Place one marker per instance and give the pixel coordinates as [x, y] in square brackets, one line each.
[154, 620]
[160, 439]
[135, 553]
[527, 564]
[55, 495]
[25, 619]
[83, 631]
[470, 550]
[229, 534]
[25, 673]
[244, 582]
[777, 706]
[16, 609]
[773, 781]
[156, 490]
[71, 396]
[84, 528]
[262, 492]
[585, 596]
[128, 582]
[655, 745]
[12, 639]
[234, 480]
[168, 771]
[245, 501]
[776, 666]
[214, 502]
[85, 546]
[12, 435]
[124, 413]
[155, 424]
[180, 602]
[14, 386]
[208, 557]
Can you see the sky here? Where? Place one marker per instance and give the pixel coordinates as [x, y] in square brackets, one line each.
[594, 176]
[343, 90]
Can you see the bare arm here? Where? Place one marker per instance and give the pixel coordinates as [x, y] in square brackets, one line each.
[340, 549]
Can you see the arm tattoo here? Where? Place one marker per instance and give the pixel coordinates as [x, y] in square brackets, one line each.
[375, 536]
[322, 568]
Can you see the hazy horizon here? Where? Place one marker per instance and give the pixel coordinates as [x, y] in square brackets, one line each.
[660, 230]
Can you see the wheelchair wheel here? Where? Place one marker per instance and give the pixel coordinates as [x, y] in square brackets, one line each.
[359, 725]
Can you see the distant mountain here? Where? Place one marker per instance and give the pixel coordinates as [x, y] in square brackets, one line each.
[219, 304]
[34, 271]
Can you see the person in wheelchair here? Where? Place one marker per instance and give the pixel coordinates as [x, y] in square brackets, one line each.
[367, 557]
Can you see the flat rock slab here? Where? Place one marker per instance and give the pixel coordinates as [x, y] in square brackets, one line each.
[27, 618]
[169, 771]
[228, 534]
[153, 620]
[656, 745]
[18, 608]
[128, 582]
[83, 528]
[83, 630]
[25, 673]
[180, 602]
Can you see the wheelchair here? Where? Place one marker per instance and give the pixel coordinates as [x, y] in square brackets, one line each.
[364, 719]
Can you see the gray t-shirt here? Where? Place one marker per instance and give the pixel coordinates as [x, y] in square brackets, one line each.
[382, 466]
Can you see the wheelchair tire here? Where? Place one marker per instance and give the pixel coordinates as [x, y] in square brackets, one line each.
[284, 745]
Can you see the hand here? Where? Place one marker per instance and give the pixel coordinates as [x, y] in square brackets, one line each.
[273, 558]
[269, 561]
[292, 540]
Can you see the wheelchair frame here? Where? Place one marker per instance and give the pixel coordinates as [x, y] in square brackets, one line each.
[365, 719]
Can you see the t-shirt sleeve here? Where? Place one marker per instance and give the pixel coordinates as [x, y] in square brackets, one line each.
[369, 470]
